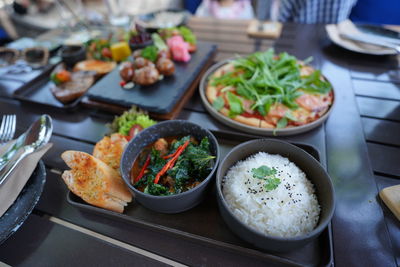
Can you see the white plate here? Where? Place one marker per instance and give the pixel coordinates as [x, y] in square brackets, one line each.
[333, 33]
[251, 129]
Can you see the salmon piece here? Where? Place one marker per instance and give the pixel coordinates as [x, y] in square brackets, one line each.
[313, 103]
[94, 181]
[277, 110]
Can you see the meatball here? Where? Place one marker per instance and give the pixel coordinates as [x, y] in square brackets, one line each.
[165, 66]
[146, 75]
[164, 53]
[126, 71]
[137, 53]
[162, 146]
[141, 62]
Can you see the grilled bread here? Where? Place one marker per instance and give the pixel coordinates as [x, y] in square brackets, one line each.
[109, 150]
[95, 182]
[100, 67]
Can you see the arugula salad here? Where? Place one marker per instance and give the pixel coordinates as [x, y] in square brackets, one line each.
[275, 88]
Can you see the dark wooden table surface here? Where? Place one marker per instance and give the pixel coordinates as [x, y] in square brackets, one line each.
[359, 145]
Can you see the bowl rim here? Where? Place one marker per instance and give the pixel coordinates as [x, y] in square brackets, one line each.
[202, 184]
[320, 226]
[79, 50]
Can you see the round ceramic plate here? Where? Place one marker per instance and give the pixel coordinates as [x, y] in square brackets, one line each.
[24, 204]
[333, 33]
[252, 129]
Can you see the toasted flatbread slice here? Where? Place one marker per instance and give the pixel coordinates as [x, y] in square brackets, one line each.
[94, 181]
[100, 67]
[109, 150]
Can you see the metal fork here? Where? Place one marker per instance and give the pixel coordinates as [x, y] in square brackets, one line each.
[7, 128]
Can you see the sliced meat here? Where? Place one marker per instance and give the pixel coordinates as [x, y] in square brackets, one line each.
[80, 82]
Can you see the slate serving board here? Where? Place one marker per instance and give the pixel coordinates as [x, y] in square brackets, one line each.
[160, 97]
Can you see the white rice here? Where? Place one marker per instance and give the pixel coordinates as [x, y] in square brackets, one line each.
[290, 210]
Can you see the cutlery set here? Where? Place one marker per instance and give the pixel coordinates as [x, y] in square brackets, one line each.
[37, 136]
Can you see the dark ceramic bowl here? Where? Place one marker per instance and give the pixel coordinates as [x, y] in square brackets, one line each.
[314, 172]
[73, 54]
[174, 203]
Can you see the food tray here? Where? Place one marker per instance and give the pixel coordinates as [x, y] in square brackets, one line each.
[204, 224]
[160, 97]
[37, 91]
[251, 129]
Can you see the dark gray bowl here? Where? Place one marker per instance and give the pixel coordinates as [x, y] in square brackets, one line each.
[314, 172]
[174, 203]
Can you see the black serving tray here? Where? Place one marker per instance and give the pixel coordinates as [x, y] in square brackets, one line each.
[37, 92]
[204, 224]
[160, 97]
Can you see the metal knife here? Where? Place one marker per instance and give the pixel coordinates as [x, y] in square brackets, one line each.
[34, 138]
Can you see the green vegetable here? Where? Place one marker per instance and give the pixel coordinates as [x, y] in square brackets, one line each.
[266, 79]
[156, 189]
[235, 105]
[194, 164]
[185, 32]
[124, 123]
[54, 78]
[282, 123]
[263, 171]
[187, 35]
[150, 52]
[272, 183]
[218, 103]
[158, 42]
[268, 175]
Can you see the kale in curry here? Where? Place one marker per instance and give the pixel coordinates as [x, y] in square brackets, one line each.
[171, 165]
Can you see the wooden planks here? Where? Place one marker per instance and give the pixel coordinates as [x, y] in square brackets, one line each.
[379, 108]
[381, 131]
[384, 159]
[377, 89]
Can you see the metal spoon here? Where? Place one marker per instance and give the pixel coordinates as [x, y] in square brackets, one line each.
[33, 139]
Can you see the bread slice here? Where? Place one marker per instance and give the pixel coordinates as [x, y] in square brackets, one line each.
[100, 67]
[94, 181]
[109, 150]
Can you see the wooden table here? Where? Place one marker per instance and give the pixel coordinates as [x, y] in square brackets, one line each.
[359, 144]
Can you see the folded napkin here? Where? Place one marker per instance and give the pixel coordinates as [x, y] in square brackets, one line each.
[10, 190]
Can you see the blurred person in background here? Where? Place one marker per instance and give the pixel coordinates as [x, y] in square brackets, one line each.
[314, 11]
[226, 9]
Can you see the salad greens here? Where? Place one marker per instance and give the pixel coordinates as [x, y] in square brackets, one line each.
[187, 35]
[268, 175]
[150, 52]
[124, 123]
[159, 42]
[267, 79]
[192, 166]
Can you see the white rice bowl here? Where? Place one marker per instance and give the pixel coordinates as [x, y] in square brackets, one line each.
[290, 210]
